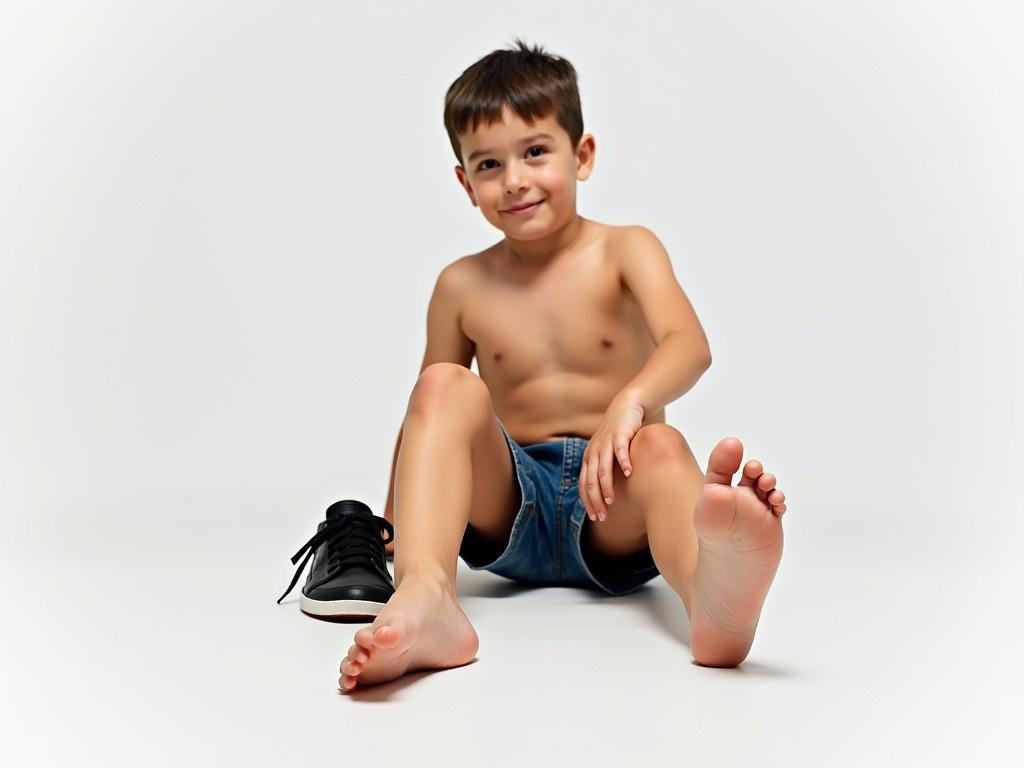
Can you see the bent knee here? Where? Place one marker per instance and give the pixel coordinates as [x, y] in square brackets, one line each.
[659, 442]
[444, 385]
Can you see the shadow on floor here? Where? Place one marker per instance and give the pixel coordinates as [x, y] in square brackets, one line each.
[387, 691]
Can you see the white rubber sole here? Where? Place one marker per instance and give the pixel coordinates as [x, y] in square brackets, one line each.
[340, 607]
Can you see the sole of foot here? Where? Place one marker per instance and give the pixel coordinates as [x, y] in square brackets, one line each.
[740, 532]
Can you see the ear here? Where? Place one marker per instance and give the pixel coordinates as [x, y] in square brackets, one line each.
[585, 151]
[460, 174]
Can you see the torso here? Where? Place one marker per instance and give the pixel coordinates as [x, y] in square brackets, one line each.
[555, 345]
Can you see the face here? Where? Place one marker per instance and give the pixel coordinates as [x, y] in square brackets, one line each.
[507, 165]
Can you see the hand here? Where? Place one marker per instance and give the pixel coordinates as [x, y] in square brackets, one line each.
[610, 442]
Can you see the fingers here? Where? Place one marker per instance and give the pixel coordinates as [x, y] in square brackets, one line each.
[589, 492]
[606, 462]
[588, 487]
[596, 486]
[581, 486]
[595, 483]
[622, 453]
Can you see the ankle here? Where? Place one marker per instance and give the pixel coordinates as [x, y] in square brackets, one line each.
[430, 577]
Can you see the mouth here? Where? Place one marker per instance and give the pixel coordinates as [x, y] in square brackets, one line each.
[525, 208]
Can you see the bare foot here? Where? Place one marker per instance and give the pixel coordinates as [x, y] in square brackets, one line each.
[421, 627]
[740, 536]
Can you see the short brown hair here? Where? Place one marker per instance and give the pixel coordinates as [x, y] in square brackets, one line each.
[532, 82]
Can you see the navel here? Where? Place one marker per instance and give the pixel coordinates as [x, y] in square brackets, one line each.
[497, 355]
[606, 343]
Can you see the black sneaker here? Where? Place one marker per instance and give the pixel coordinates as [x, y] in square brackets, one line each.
[350, 575]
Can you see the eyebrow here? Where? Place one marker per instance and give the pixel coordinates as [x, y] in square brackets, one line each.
[535, 136]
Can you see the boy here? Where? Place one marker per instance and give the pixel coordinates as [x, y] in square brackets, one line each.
[555, 465]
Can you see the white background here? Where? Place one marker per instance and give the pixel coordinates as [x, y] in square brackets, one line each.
[220, 224]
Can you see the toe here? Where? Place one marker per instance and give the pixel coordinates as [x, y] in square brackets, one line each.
[347, 683]
[386, 636]
[364, 638]
[357, 653]
[724, 461]
[351, 668]
[751, 472]
[764, 485]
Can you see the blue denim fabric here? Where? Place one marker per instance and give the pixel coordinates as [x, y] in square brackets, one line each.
[544, 546]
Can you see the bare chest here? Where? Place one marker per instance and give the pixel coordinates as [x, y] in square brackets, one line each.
[554, 347]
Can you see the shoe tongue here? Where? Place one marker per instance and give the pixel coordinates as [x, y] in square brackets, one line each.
[348, 507]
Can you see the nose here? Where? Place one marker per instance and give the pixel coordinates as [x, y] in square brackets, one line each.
[515, 179]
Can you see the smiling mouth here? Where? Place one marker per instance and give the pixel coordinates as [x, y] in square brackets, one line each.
[524, 207]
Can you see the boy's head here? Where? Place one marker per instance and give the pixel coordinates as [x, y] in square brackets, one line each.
[493, 112]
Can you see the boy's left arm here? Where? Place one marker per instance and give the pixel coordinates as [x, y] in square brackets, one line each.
[680, 358]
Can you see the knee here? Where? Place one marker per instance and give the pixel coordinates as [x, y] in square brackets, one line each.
[658, 444]
[447, 385]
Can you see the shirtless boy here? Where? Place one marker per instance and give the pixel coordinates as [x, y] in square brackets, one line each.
[582, 336]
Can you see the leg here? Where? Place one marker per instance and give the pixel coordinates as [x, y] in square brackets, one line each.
[663, 468]
[717, 546]
[740, 531]
[453, 468]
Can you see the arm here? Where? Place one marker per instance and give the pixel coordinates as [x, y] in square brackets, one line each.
[682, 352]
[671, 371]
[680, 356]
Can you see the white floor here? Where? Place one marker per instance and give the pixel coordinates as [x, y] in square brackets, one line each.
[159, 643]
[219, 228]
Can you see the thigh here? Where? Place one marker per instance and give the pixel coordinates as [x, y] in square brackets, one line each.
[624, 531]
[448, 390]
[662, 463]
[497, 494]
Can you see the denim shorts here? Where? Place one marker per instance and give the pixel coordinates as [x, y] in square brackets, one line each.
[544, 545]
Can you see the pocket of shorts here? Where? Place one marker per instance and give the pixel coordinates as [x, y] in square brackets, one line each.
[524, 517]
[528, 509]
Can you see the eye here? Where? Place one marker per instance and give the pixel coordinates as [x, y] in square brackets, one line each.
[544, 150]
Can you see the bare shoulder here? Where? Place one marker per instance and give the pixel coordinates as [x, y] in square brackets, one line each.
[461, 280]
[623, 240]
[623, 237]
[608, 234]
[456, 274]
[631, 245]
[476, 266]
[446, 340]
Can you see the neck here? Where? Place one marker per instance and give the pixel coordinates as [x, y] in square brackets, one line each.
[545, 249]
